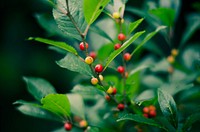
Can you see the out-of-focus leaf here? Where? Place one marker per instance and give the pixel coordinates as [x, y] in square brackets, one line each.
[145, 95]
[134, 25]
[73, 63]
[38, 87]
[92, 9]
[64, 22]
[152, 81]
[191, 120]
[85, 90]
[92, 129]
[141, 119]
[123, 47]
[168, 107]
[58, 44]
[106, 50]
[57, 103]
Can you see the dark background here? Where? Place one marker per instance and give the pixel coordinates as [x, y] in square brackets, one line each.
[19, 58]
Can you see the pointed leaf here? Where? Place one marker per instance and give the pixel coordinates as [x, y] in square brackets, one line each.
[134, 25]
[85, 90]
[122, 48]
[140, 119]
[58, 44]
[36, 111]
[73, 63]
[63, 21]
[191, 120]
[38, 87]
[57, 103]
[92, 9]
[168, 107]
[148, 37]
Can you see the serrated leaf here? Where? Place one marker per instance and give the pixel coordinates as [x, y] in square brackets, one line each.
[140, 119]
[122, 48]
[94, 9]
[58, 44]
[38, 87]
[57, 103]
[35, 110]
[134, 25]
[148, 37]
[64, 22]
[191, 120]
[73, 63]
[168, 107]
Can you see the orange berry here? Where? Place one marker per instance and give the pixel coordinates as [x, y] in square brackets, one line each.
[94, 81]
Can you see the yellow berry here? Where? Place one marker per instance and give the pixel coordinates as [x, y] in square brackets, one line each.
[174, 52]
[89, 60]
[110, 90]
[170, 59]
[101, 77]
[116, 15]
[83, 123]
[94, 81]
[122, 20]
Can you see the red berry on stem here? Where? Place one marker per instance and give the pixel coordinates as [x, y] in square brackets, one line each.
[107, 97]
[152, 113]
[98, 68]
[117, 46]
[121, 106]
[82, 46]
[68, 126]
[120, 69]
[146, 115]
[114, 91]
[152, 108]
[127, 56]
[145, 110]
[93, 54]
[121, 37]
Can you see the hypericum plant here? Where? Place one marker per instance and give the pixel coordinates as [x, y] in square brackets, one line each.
[115, 97]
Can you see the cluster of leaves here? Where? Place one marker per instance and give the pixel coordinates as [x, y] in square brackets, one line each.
[150, 82]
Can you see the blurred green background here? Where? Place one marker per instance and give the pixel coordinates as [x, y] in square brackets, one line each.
[19, 58]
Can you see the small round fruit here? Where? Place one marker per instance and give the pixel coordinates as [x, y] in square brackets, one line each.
[120, 69]
[170, 59]
[68, 126]
[117, 46]
[93, 54]
[107, 97]
[174, 52]
[101, 77]
[114, 91]
[152, 113]
[127, 56]
[83, 123]
[89, 60]
[170, 69]
[121, 37]
[116, 15]
[110, 90]
[82, 46]
[94, 81]
[145, 110]
[98, 68]
[146, 115]
[152, 108]
[121, 107]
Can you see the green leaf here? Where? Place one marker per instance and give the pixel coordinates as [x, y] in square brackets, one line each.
[63, 21]
[123, 47]
[58, 44]
[140, 119]
[92, 129]
[73, 63]
[191, 120]
[92, 9]
[148, 37]
[106, 50]
[57, 103]
[35, 110]
[38, 87]
[134, 25]
[77, 105]
[168, 107]
[166, 15]
[85, 90]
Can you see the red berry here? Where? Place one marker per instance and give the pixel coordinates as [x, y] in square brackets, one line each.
[120, 106]
[146, 115]
[68, 126]
[107, 97]
[114, 91]
[152, 108]
[127, 56]
[98, 68]
[117, 46]
[82, 47]
[93, 54]
[145, 110]
[152, 113]
[120, 69]
[121, 37]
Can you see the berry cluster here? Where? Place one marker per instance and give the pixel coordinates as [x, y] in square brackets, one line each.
[171, 60]
[149, 111]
